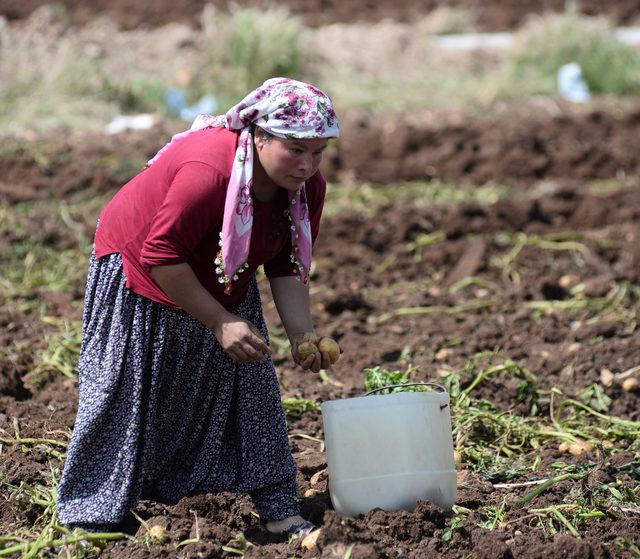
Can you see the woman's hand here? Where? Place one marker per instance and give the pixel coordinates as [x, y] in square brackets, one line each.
[241, 340]
[306, 354]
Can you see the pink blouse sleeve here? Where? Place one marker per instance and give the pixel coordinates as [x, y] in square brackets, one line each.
[192, 206]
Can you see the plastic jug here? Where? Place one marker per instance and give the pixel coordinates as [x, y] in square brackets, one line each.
[389, 451]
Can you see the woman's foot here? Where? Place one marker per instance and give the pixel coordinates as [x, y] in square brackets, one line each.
[292, 526]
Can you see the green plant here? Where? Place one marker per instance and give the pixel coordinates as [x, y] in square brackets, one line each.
[494, 516]
[424, 240]
[45, 531]
[239, 545]
[60, 356]
[135, 94]
[295, 407]
[378, 377]
[48, 78]
[367, 198]
[457, 522]
[595, 396]
[43, 445]
[243, 48]
[485, 432]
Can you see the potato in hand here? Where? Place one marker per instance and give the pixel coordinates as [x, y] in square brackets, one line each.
[309, 345]
[305, 349]
[330, 347]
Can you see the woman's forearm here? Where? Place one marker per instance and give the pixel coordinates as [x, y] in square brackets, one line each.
[291, 298]
[180, 283]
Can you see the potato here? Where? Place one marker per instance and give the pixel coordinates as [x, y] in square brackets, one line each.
[443, 354]
[568, 281]
[305, 349]
[158, 533]
[630, 384]
[578, 449]
[331, 348]
[310, 542]
[607, 377]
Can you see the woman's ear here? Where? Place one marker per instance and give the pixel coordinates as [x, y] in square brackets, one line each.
[258, 141]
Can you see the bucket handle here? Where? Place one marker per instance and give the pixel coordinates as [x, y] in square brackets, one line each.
[435, 384]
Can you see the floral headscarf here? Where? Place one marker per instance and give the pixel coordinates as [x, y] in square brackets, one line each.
[286, 109]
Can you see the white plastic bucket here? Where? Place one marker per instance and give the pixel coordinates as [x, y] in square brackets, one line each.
[389, 451]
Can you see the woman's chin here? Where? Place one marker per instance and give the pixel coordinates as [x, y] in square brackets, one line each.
[290, 184]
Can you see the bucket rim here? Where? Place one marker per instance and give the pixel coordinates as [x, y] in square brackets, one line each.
[376, 400]
[441, 387]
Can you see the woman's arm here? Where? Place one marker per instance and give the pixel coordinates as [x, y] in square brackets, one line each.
[293, 304]
[238, 337]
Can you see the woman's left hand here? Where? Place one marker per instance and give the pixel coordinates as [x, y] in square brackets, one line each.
[306, 354]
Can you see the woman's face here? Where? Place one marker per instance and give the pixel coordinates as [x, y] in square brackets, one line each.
[289, 162]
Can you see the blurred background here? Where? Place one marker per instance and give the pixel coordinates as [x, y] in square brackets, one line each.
[405, 76]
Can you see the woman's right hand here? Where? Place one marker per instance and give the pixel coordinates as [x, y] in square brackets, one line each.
[241, 339]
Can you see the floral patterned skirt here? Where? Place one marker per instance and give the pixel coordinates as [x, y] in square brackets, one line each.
[164, 412]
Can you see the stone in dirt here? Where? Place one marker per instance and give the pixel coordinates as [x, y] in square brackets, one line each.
[470, 262]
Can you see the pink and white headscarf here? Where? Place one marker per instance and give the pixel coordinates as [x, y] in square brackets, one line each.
[287, 109]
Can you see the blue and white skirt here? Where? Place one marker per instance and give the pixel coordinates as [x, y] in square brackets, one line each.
[164, 412]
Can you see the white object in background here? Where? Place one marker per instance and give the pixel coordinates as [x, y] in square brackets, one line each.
[389, 452]
[571, 84]
[176, 101]
[130, 122]
[207, 105]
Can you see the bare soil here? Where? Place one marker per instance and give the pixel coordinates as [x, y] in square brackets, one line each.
[513, 146]
[517, 143]
[363, 270]
[491, 15]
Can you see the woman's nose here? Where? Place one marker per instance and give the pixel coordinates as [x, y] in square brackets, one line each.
[306, 163]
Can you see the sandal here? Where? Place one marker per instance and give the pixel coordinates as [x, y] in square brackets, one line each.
[300, 530]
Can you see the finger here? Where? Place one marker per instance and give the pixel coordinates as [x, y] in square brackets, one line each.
[317, 361]
[231, 353]
[307, 362]
[241, 355]
[257, 332]
[326, 360]
[254, 329]
[254, 354]
[259, 344]
[296, 356]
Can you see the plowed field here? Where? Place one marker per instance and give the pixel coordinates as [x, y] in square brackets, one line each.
[517, 303]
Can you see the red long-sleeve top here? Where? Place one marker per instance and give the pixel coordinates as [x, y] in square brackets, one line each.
[172, 212]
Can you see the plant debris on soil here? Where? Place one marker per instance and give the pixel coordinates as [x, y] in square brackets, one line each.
[517, 306]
